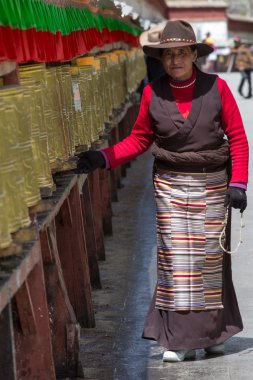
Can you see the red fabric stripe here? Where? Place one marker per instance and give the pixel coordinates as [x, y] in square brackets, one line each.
[32, 45]
[188, 239]
[187, 275]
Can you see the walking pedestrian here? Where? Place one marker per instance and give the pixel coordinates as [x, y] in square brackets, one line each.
[193, 125]
[209, 64]
[243, 63]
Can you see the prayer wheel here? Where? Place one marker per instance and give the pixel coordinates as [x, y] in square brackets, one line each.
[67, 105]
[21, 98]
[114, 75]
[88, 96]
[5, 236]
[80, 132]
[34, 80]
[56, 129]
[122, 91]
[12, 170]
[105, 86]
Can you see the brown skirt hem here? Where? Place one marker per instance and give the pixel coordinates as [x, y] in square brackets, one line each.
[191, 344]
[185, 330]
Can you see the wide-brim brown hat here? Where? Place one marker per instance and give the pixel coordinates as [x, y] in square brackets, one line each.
[176, 33]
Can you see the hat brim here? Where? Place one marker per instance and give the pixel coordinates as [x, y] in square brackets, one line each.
[144, 37]
[156, 50]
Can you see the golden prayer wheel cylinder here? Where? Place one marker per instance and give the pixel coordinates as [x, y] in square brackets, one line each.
[115, 78]
[89, 92]
[103, 89]
[67, 106]
[81, 133]
[43, 170]
[88, 102]
[5, 236]
[101, 95]
[130, 74]
[21, 98]
[105, 65]
[12, 171]
[54, 117]
[37, 73]
[122, 75]
[39, 136]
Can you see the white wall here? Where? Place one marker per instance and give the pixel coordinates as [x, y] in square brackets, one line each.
[218, 29]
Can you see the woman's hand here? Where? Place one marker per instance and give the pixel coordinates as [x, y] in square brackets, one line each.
[236, 197]
[89, 161]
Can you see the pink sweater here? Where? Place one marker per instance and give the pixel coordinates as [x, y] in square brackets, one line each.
[142, 134]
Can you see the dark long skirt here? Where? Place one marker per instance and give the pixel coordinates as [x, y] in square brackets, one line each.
[184, 330]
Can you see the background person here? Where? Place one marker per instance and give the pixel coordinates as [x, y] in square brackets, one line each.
[210, 61]
[243, 63]
[184, 115]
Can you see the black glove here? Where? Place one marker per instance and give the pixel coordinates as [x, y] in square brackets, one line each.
[236, 197]
[89, 161]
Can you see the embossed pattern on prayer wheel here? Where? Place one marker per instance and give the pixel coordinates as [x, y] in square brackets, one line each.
[12, 173]
[66, 106]
[81, 133]
[21, 98]
[34, 79]
[89, 96]
[5, 236]
[105, 87]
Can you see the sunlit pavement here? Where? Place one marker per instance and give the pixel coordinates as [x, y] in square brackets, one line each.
[114, 349]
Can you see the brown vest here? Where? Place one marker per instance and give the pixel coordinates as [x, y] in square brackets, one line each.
[200, 132]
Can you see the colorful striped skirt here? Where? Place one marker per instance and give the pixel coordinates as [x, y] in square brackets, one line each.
[190, 216]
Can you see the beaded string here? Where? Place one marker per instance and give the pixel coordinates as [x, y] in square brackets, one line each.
[185, 86]
[223, 234]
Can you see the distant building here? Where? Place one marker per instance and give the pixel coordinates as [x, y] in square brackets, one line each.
[242, 25]
[204, 15]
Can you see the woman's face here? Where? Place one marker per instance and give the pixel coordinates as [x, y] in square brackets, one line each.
[178, 62]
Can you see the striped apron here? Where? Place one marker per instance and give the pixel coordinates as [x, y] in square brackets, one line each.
[190, 216]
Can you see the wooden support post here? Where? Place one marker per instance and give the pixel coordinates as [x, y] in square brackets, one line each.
[113, 181]
[114, 140]
[105, 190]
[73, 257]
[112, 173]
[34, 356]
[95, 192]
[25, 310]
[7, 347]
[61, 313]
[122, 135]
[90, 236]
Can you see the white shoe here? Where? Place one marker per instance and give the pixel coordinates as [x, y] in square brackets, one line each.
[178, 356]
[218, 349]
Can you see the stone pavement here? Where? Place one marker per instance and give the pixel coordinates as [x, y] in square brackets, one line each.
[114, 349]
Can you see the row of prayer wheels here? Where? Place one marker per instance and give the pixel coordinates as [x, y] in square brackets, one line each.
[53, 113]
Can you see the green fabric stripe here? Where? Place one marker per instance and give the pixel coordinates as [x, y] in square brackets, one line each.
[25, 14]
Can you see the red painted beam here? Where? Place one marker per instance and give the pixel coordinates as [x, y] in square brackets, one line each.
[200, 13]
[240, 26]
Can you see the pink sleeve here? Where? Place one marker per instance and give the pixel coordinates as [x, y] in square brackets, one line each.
[139, 140]
[234, 130]
[241, 185]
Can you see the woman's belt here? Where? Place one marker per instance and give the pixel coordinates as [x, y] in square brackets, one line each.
[188, 168]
